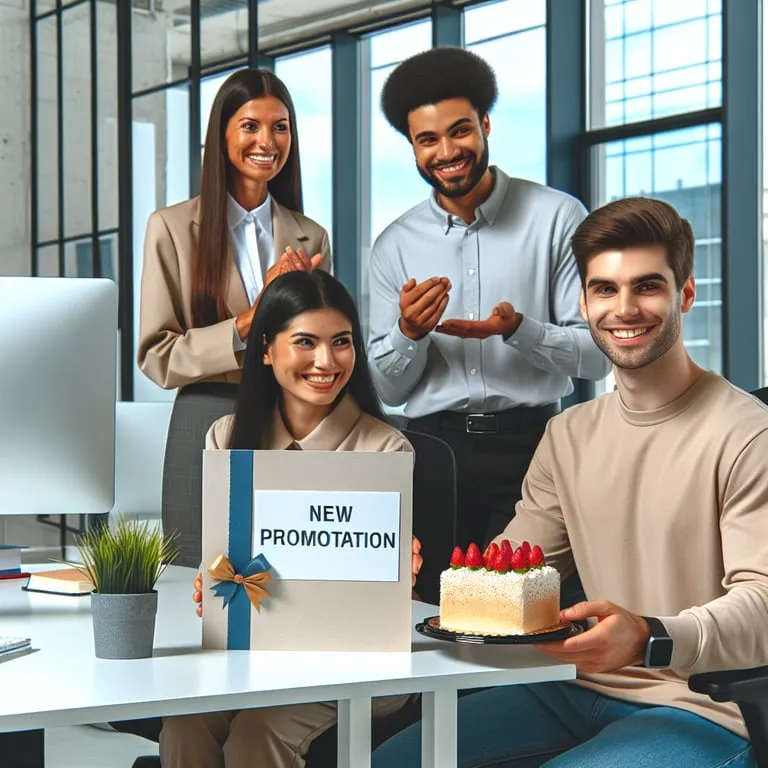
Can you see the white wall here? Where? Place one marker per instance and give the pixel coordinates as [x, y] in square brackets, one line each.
[14, 138]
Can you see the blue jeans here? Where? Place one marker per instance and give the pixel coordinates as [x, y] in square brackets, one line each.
[562, 725]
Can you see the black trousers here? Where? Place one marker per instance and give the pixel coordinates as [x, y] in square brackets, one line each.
[490, 466]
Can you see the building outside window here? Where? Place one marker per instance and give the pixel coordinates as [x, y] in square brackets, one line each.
[651, 61]
[511, 37]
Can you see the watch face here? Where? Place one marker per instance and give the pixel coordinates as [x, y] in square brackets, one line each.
[658, 652]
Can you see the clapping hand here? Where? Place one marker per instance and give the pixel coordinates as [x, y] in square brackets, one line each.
[422, 305]
[617, 640]
[292, 261]
[503, 320]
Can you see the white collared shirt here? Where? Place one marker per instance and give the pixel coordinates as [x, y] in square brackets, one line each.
[253, 255]
[251, 264]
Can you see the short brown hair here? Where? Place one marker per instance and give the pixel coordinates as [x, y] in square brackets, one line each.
[632, 222]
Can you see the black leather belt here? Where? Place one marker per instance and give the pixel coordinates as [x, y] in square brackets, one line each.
[513, 419]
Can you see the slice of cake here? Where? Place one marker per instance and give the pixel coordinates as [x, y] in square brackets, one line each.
[499, 593]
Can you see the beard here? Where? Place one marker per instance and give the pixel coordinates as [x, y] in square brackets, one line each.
[460, 187]
[633, 359]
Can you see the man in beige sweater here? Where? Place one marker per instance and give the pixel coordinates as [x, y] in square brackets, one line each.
[657, 494]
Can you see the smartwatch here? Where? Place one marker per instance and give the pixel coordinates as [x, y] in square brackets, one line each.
[658, 651]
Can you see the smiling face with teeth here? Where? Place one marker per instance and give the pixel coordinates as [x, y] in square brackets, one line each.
[312, 360]
[450, 144]
[258, 139]
[632, 306]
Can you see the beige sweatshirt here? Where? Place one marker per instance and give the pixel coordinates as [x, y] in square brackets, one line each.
[664, 513]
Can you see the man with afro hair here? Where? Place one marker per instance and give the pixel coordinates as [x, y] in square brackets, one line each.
[474, 293]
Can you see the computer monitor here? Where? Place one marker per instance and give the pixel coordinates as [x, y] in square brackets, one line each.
[58, 342]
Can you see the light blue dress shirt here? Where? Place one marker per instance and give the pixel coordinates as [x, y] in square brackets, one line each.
[517, 250]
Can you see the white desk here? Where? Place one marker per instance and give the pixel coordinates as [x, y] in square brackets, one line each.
[65, 684]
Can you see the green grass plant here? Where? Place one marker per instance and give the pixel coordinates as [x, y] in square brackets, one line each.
[126, 559]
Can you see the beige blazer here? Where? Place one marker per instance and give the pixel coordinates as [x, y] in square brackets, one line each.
[171, 352]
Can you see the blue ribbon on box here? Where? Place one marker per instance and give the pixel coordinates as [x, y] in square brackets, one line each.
[239, 545]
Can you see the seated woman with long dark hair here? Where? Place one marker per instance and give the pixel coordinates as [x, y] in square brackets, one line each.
[305, 380]
[305, 386]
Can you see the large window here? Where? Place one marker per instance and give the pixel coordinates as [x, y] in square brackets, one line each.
[395, 183]
[683, 168]
[308, 77]
[652, 61]
[653, 113]
[652, 58]
[511, 37]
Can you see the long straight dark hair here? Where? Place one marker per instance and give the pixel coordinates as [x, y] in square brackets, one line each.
[283, 299]
[210, 262]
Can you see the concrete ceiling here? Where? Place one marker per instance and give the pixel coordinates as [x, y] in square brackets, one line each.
[282, 23]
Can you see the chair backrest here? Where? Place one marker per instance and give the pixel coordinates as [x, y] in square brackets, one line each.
[196, 407]
[434, 509]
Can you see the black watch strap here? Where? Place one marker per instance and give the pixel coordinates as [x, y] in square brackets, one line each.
[658, 650]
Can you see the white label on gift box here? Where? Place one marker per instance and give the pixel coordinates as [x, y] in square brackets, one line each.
[328, 535]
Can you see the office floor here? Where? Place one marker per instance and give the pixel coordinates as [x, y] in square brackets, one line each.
[83, 746]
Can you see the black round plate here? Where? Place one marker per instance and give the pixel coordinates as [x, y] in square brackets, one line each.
[430, 627]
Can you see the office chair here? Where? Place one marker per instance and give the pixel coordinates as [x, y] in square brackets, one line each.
[749, 689]
[196, 407]
[434, 509]
[434, 525]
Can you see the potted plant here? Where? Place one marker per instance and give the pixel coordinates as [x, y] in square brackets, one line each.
[123, 564]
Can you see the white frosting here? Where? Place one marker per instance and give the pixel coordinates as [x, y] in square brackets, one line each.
[535, 584]
[488, 602]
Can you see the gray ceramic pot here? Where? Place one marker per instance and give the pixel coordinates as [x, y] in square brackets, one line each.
[123, 625]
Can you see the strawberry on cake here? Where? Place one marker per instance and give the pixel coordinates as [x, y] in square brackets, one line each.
[502, 592]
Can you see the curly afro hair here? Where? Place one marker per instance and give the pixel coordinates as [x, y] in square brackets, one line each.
[436, 75]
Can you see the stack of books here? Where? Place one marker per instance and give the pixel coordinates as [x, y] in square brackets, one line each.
[10, 562]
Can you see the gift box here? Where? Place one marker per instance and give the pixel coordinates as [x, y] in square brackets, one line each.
[307, 550]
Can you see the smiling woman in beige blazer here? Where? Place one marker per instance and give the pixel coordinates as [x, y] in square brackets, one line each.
[206, 260]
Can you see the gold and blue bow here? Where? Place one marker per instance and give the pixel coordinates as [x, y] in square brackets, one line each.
[228, 580]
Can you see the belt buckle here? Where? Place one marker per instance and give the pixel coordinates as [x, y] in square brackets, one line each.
[482, 423]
